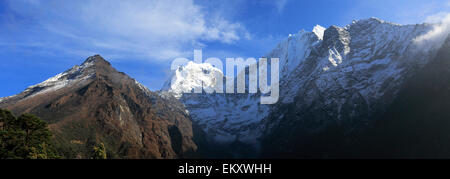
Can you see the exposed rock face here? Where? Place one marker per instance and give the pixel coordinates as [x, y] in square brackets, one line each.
[95, 103]
[335, 83]
[341, 88]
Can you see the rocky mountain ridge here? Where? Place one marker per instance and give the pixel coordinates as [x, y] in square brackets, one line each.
[94, 103]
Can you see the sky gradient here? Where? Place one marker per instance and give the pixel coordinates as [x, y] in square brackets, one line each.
[41, 38]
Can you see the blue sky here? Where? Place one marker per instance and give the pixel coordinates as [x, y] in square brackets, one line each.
[41, 38]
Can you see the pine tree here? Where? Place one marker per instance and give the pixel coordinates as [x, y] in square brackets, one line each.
[26, 137]
[99, 151]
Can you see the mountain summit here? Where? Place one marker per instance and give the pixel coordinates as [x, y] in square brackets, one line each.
[335, 83]
[370, 89]
[94, 103]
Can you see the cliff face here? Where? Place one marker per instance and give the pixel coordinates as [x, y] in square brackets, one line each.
[95, 103]
[360, 82]
[416, 124]
[336, 86]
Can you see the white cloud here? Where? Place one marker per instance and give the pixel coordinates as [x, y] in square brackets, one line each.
[157, 29]
[439, 33]
[436, 18]
[280, 4]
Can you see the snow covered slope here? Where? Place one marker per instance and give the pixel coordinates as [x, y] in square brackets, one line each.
[347, 80]
[74, 76]
[192, 76]
[340, 73]
[354, 70]
[61, 80]
[225, 117]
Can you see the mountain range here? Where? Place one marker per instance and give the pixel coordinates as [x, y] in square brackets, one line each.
[371, 89]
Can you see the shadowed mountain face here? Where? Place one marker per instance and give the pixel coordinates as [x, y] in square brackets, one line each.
[345, 92]
[94, 103]
[415, 125]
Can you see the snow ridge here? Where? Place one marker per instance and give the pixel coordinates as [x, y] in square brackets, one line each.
[61, 80]
[319, 30]
[360, 64]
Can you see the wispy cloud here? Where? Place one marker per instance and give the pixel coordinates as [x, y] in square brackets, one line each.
[435, 37]
[156, 30]
[280, 4]
[436, 18]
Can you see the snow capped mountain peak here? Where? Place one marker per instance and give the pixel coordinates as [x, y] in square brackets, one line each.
[372, 20]
[319, 31]
[193, 76]
[61, 80]
[225, 117]
[332, 67]
[74, 75]
[95, 59]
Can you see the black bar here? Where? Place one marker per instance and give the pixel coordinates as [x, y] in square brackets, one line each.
[168, 168]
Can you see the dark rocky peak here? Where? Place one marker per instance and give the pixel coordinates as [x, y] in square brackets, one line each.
[372, 20]
[335, 37]
[99, 66]
[93, 68]
[367, 25]
[97, 60]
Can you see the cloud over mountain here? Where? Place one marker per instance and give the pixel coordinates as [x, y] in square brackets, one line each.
[158, 29]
